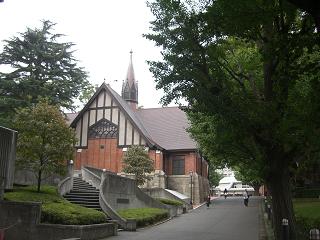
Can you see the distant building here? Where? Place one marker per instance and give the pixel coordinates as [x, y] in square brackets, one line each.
[233, 186]
[109, 124]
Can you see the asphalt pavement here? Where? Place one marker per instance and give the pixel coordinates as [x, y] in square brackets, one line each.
[225, 219]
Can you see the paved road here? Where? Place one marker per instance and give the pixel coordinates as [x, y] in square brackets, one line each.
[226, 219]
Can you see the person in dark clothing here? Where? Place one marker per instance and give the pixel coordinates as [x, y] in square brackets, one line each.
[225, 192]
[245, 198]
[208, 201]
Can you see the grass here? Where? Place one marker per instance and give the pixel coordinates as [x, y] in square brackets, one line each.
[307, 213]
[308, 208]
[144, 216]
[55, 209]
[170, 201]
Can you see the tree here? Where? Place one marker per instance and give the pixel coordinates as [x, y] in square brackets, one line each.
[45, 141]
[248, 176]
[248, 71]
[136, 161]
[40, 65]
[214, 176]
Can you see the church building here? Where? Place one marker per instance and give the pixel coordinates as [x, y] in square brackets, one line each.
[109, 124]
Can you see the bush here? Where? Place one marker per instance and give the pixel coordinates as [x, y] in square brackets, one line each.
[55, 209]
[144, 216]
[170, 201]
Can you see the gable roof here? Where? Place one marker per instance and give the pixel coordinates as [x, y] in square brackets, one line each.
[167, 127]
[164, 128]
[124, 107]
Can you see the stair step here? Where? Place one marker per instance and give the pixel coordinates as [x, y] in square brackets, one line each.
[90, 205]
[91, 196]
[81, 184]
[83, 201]
[83, 194]
[85, 189]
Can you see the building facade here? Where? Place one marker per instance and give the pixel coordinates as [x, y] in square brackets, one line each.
[110, 123]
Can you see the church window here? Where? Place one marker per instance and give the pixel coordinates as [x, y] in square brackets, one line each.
[178, 165]
[103, 129]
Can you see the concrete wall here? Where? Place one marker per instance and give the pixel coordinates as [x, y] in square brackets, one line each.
[22, 221]
[19, 218]
[121, 192]
[83, 232]
[27, 177]
[8, 143]
[158, 179]
[182, 184]
[162, 193]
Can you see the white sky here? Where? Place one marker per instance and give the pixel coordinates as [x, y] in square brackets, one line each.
[104, 32]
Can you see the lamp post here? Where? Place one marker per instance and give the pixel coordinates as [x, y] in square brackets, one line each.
[191, 173]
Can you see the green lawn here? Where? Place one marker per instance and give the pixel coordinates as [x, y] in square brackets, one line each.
[307, 208]
[55, 209]
[307, 215]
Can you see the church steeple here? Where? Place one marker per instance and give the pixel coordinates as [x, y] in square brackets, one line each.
[130, 87]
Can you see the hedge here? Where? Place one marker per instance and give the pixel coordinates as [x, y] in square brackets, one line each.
[144, 216]
[170, 201]
[55, 209]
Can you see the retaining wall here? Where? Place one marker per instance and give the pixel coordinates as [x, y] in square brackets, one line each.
[21, 220]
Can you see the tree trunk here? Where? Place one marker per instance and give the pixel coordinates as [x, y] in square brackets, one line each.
[279, 185]
[39, 180]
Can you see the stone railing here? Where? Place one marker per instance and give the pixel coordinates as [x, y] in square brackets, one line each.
[151, 202]
[65, 186]
[129, 225]
[91, 177]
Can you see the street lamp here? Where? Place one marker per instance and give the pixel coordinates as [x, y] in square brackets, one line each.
[191, 173]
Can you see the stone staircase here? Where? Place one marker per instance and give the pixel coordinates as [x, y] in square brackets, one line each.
[83, 194]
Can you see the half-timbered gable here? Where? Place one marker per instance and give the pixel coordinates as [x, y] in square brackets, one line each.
[107, 111]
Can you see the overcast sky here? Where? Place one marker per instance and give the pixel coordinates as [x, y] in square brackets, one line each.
[104, 32]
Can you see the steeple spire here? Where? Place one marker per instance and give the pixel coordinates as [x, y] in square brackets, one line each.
[130, 86]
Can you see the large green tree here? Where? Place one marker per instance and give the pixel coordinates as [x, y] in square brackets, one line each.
[37, 63]
[249, 70]
[45, 141]
[137, 161]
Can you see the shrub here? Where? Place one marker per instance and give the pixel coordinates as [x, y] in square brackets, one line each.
[55, 209]
[170, 201]
[144, 216]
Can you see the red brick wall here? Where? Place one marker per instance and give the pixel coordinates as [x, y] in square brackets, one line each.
[189, 164]
[192, 163]
[157, 158]
[108, 156]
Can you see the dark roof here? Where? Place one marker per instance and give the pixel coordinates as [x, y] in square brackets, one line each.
[167, 127]
[132, 114]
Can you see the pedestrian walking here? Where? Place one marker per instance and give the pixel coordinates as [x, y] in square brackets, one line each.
[245, 198]
[208, 201]
[225, 192]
